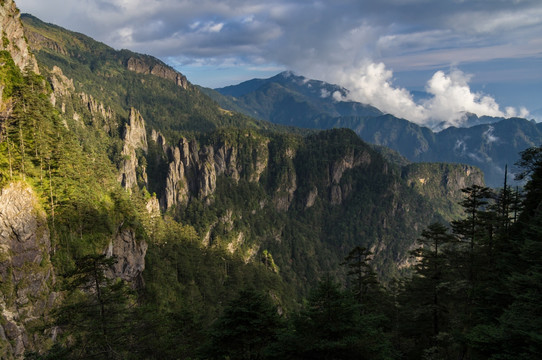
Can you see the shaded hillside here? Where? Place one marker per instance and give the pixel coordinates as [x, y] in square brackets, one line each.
[289, 99]
[490, 146]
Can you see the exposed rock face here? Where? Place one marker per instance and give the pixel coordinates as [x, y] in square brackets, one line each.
[442, 181]
[311, 198]
[38, 41]
[284, 195]
[96, 108]
[135, 137]
[193, 169]
[13, 39]
[26, 273]
[130, 255]
[64, 92]
[62, 86]
[338, 191]
[141, 66]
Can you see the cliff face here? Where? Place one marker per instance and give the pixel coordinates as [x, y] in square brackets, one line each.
[141, 66]
[26, 273]
[79, 105]
[130, 254]
[135, 138]
[192, 168]
[13, 39]
[441, 184]
[338, 192]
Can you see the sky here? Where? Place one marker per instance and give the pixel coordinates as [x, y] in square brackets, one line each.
[477, 56]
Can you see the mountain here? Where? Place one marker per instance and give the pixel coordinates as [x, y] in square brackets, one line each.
[486, 142]
[111, 156]
[289, 99]
[491, 147]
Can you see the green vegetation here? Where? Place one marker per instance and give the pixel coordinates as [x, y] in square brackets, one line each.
[101, 72]
[296, 258]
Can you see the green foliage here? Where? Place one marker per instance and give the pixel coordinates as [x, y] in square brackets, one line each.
[96, 313]
[10, 75]
[246, 330]
[101, 71]
[331, 326]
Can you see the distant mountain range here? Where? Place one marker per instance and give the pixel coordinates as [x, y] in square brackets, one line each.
[487, 142]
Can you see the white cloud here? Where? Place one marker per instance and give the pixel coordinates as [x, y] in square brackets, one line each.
[372, 83]
[488, 135]
[451, 97]
[324, 93]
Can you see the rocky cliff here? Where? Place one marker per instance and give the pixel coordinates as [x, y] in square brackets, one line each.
[26, 273]
[13, 39]
[130, 254]
[193, 168]
[134, 136]
[141, 65]
[441, 184]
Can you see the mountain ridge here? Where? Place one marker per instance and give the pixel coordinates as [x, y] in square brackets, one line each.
[487, 142]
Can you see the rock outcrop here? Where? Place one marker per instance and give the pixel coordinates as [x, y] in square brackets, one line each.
[13, 39]
[26, 273]
[193, 169]
[441, 184]
[135, 138]
[130, 254]
[339, 192]
[141, 66]
[88, 107]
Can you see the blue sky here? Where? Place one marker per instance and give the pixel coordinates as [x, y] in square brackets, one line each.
[480, 56]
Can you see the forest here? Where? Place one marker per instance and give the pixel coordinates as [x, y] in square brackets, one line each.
[253, 270]
[473, 292]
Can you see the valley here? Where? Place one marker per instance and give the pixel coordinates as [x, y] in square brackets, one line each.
[145, 217]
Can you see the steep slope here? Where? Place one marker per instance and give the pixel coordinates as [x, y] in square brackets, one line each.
[195, 202]
[321, 183]
[489, 146]
[122, 79]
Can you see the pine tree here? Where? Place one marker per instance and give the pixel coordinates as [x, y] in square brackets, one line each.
[428, 297]
[362, 279]
[96, 316]
[246, 329]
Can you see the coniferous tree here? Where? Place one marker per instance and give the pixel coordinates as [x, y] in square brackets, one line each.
[96, 316]
[362, 280]
[246, 330]
[428, 296]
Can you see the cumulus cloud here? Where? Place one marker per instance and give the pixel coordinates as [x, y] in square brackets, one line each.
[451, 98]
[372, 83]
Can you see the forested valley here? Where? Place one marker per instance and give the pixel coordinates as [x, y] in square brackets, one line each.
[139, 220]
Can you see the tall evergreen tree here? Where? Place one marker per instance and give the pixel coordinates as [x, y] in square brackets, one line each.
[428, 297]
[362, 278]
[247, 328]
[96, 316]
